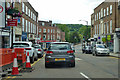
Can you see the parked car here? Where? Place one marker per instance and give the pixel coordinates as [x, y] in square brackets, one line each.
[100, 49]
[88, 49]
[83, 49]
[28, 47]
[60, 53]
[39, 50]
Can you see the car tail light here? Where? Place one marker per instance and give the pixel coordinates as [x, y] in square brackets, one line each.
[49, 52]
[28, 48]
[70, 51]
[39, 50]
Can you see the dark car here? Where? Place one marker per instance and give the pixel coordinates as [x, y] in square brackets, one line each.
[88, 49]
[59, 53]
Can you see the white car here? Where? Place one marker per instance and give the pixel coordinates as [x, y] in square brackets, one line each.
[100, 49]
[28, 46]
[39, 50]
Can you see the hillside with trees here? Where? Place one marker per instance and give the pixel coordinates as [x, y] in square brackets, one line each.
[74, 33]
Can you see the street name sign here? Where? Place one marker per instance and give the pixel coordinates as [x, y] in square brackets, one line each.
[2, 14]
[12, 22]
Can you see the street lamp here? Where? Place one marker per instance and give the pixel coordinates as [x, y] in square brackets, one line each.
[86, 25]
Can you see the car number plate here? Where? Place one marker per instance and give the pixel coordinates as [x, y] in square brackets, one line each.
[60, 59]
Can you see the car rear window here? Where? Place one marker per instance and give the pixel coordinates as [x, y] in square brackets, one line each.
[20, 45]
[59, 46]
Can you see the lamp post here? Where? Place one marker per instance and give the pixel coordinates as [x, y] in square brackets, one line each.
[86, 25]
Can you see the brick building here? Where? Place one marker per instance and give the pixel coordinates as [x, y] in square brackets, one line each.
[49, 32]
[27, 24]
[104, 22]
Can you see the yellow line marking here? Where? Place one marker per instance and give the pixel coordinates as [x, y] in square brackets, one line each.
[36, 62]
[114, 57]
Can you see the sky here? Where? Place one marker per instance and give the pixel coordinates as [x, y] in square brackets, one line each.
[65, 11]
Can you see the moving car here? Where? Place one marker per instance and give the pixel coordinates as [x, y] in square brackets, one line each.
[100, 49]
[88, 49]
[60, 53]
[39, 50]
[28, 47]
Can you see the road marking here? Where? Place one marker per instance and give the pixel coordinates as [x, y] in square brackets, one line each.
[78, 59]
[115, 57]
[85, 76]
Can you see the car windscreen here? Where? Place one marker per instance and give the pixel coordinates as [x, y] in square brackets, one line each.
[59, 46]
[101, 46]
[20, 45]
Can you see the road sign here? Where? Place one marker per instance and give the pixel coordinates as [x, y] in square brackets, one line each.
[108, 37]
[1, 9]
[2, 14]
[12, 22]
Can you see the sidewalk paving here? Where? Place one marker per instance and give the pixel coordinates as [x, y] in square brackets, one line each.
[115, 55]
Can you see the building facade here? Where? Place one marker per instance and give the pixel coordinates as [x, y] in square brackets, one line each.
[26, 30]
[104, 23]
[49, 32]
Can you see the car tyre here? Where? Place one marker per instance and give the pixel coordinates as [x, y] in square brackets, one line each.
[46, 65]
[36, 58]
[32, 59]
[73, 64]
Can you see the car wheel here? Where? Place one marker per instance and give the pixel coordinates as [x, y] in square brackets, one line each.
[93, 54]
[73, 64]
[46, 65]
[36, 58]
[32, 59]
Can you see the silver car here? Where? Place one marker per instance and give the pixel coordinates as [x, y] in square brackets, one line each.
[100, 49]
[59, 53]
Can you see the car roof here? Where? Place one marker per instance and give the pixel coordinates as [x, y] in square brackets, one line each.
[60, 42]
[23, 42]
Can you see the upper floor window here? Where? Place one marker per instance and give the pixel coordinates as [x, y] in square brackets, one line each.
[95, 17]
[104, 28]
[107, 10]
[26, 25]
[111, 26]
[31, 27]
[107, 27]
[104, 12]
[29, 12]
[23, 22]
[39, 30]
[26, 10]
[44, 30]
[8, 4]
[99, 15]
[48, 30]
[43, 23]
[51, 30]
[110, 9]
[23, 7]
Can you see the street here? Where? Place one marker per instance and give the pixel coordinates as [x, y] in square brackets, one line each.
[87, 66]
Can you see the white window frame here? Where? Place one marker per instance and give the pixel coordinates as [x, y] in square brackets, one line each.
[23, 7]
[95, 29]
[26, 10]
[104, 12]
[107, 10]
[101, 12]
[51, 31]
[44, 30]
[104, 28]
[23, 24]
[97, 16]
[111, 26]
[31, 27]
[8, 4]
[110, 9]
[107, 28]
[48, 30]
[99, 29]
[26, 25]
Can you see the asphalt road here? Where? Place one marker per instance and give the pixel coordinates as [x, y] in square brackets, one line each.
[87, 67]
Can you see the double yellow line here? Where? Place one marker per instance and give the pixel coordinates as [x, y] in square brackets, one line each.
[10, 78]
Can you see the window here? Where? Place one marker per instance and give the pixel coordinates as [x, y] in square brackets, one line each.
[19, 1]
[107, 28]
[104, 12]
[8, 4]
[26, 10]
[110, 26]
[35, 29]
[23, 21]
[48, 30]
[23, 7]
[39, 30]
[95, 17]
[51, 37]
[13, 4]
[31, 27]
[44, 30]
[104, 28]
[110, 9]
[51, 30]
[48, 37]
[95, 29]
[26, 25]
[43, 23]
[99, 15]
[107, 10]
[99, 29]
[31, 14]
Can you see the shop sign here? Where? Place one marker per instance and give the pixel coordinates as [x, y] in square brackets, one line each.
[12, 22]
[2, 14]
[104, 39]
[108, 37]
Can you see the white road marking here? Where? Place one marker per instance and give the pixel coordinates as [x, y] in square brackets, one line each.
[85, 76]
[78, 59]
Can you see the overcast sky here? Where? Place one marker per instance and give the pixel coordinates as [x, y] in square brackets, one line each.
[65, 11]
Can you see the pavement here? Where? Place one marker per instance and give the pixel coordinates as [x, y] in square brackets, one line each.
[115, 55]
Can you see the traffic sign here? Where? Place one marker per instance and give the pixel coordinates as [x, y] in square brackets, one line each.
[12, 22]
[108, 37]
[1, 9]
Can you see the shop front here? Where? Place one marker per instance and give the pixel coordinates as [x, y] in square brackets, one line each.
[4, 39]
